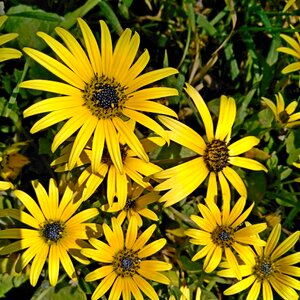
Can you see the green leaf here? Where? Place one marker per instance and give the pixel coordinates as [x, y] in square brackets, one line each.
[293, 146]
[26, 21]
[71, 18]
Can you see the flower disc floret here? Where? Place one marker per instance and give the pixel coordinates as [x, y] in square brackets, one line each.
[126, 262]
[216, 156]
[104, 97]
[53, 231]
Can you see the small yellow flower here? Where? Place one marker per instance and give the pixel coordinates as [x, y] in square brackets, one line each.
[213, 157]
[52, 233]
[133, 167]
[294, 51]
[136, 205]
[266, 269]
[7, 53]
[220, 231]
[284, 116]
[125, 262]
[103, 87]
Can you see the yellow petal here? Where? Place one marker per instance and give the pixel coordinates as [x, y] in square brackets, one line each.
[55, 67]
[106, 49]
[91, 46]
[38, 263]
[242, 145]
[53, 264]
[184, 135]
[226, 117]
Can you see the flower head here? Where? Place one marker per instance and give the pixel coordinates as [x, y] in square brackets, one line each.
[125, 262]
[7, 53]
[103, 90]
[117, 183]
[136, 204]
[54, 231]
[284, 116]
[221, 232]
[214, 156]
[266, 269]
[294, 51]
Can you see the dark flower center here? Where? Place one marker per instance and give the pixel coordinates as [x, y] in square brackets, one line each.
[216, 156]
[126, 263]
[223, 236]
[130, 204]
[263, 268]
[104, 97]
[284, 116]
[53, 231]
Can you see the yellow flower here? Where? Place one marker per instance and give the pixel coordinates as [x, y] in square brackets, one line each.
[103, 89]
[135, 206]
[294, 51]
[12, 162]
[284, 116]
[125, 264]
[186, 294]
[54, 232]
[213, 157]
[134, 168]
[7, 53]
[221, 232]
[266, 269]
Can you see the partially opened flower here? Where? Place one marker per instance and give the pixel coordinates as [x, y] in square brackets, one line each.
[221, 234]
[125, 263]
[293, 50]
[103, 88]
[213, 157]
[284, 116]
[136, 204]
[7, 53]
[52, 232]
[133, 167]
[12, 162]
[265, 269]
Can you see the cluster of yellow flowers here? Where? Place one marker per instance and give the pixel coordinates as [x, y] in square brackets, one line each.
[102, 94]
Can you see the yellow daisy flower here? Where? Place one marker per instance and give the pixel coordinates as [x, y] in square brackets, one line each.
[186, 294]
[284, 116]
[135, 206]
[54, 231]
[294, 51]
[266, 269]
[221, 232]
[125, 262]
[214, 157]
[134, 168]
[7, 53]
[103, 89]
